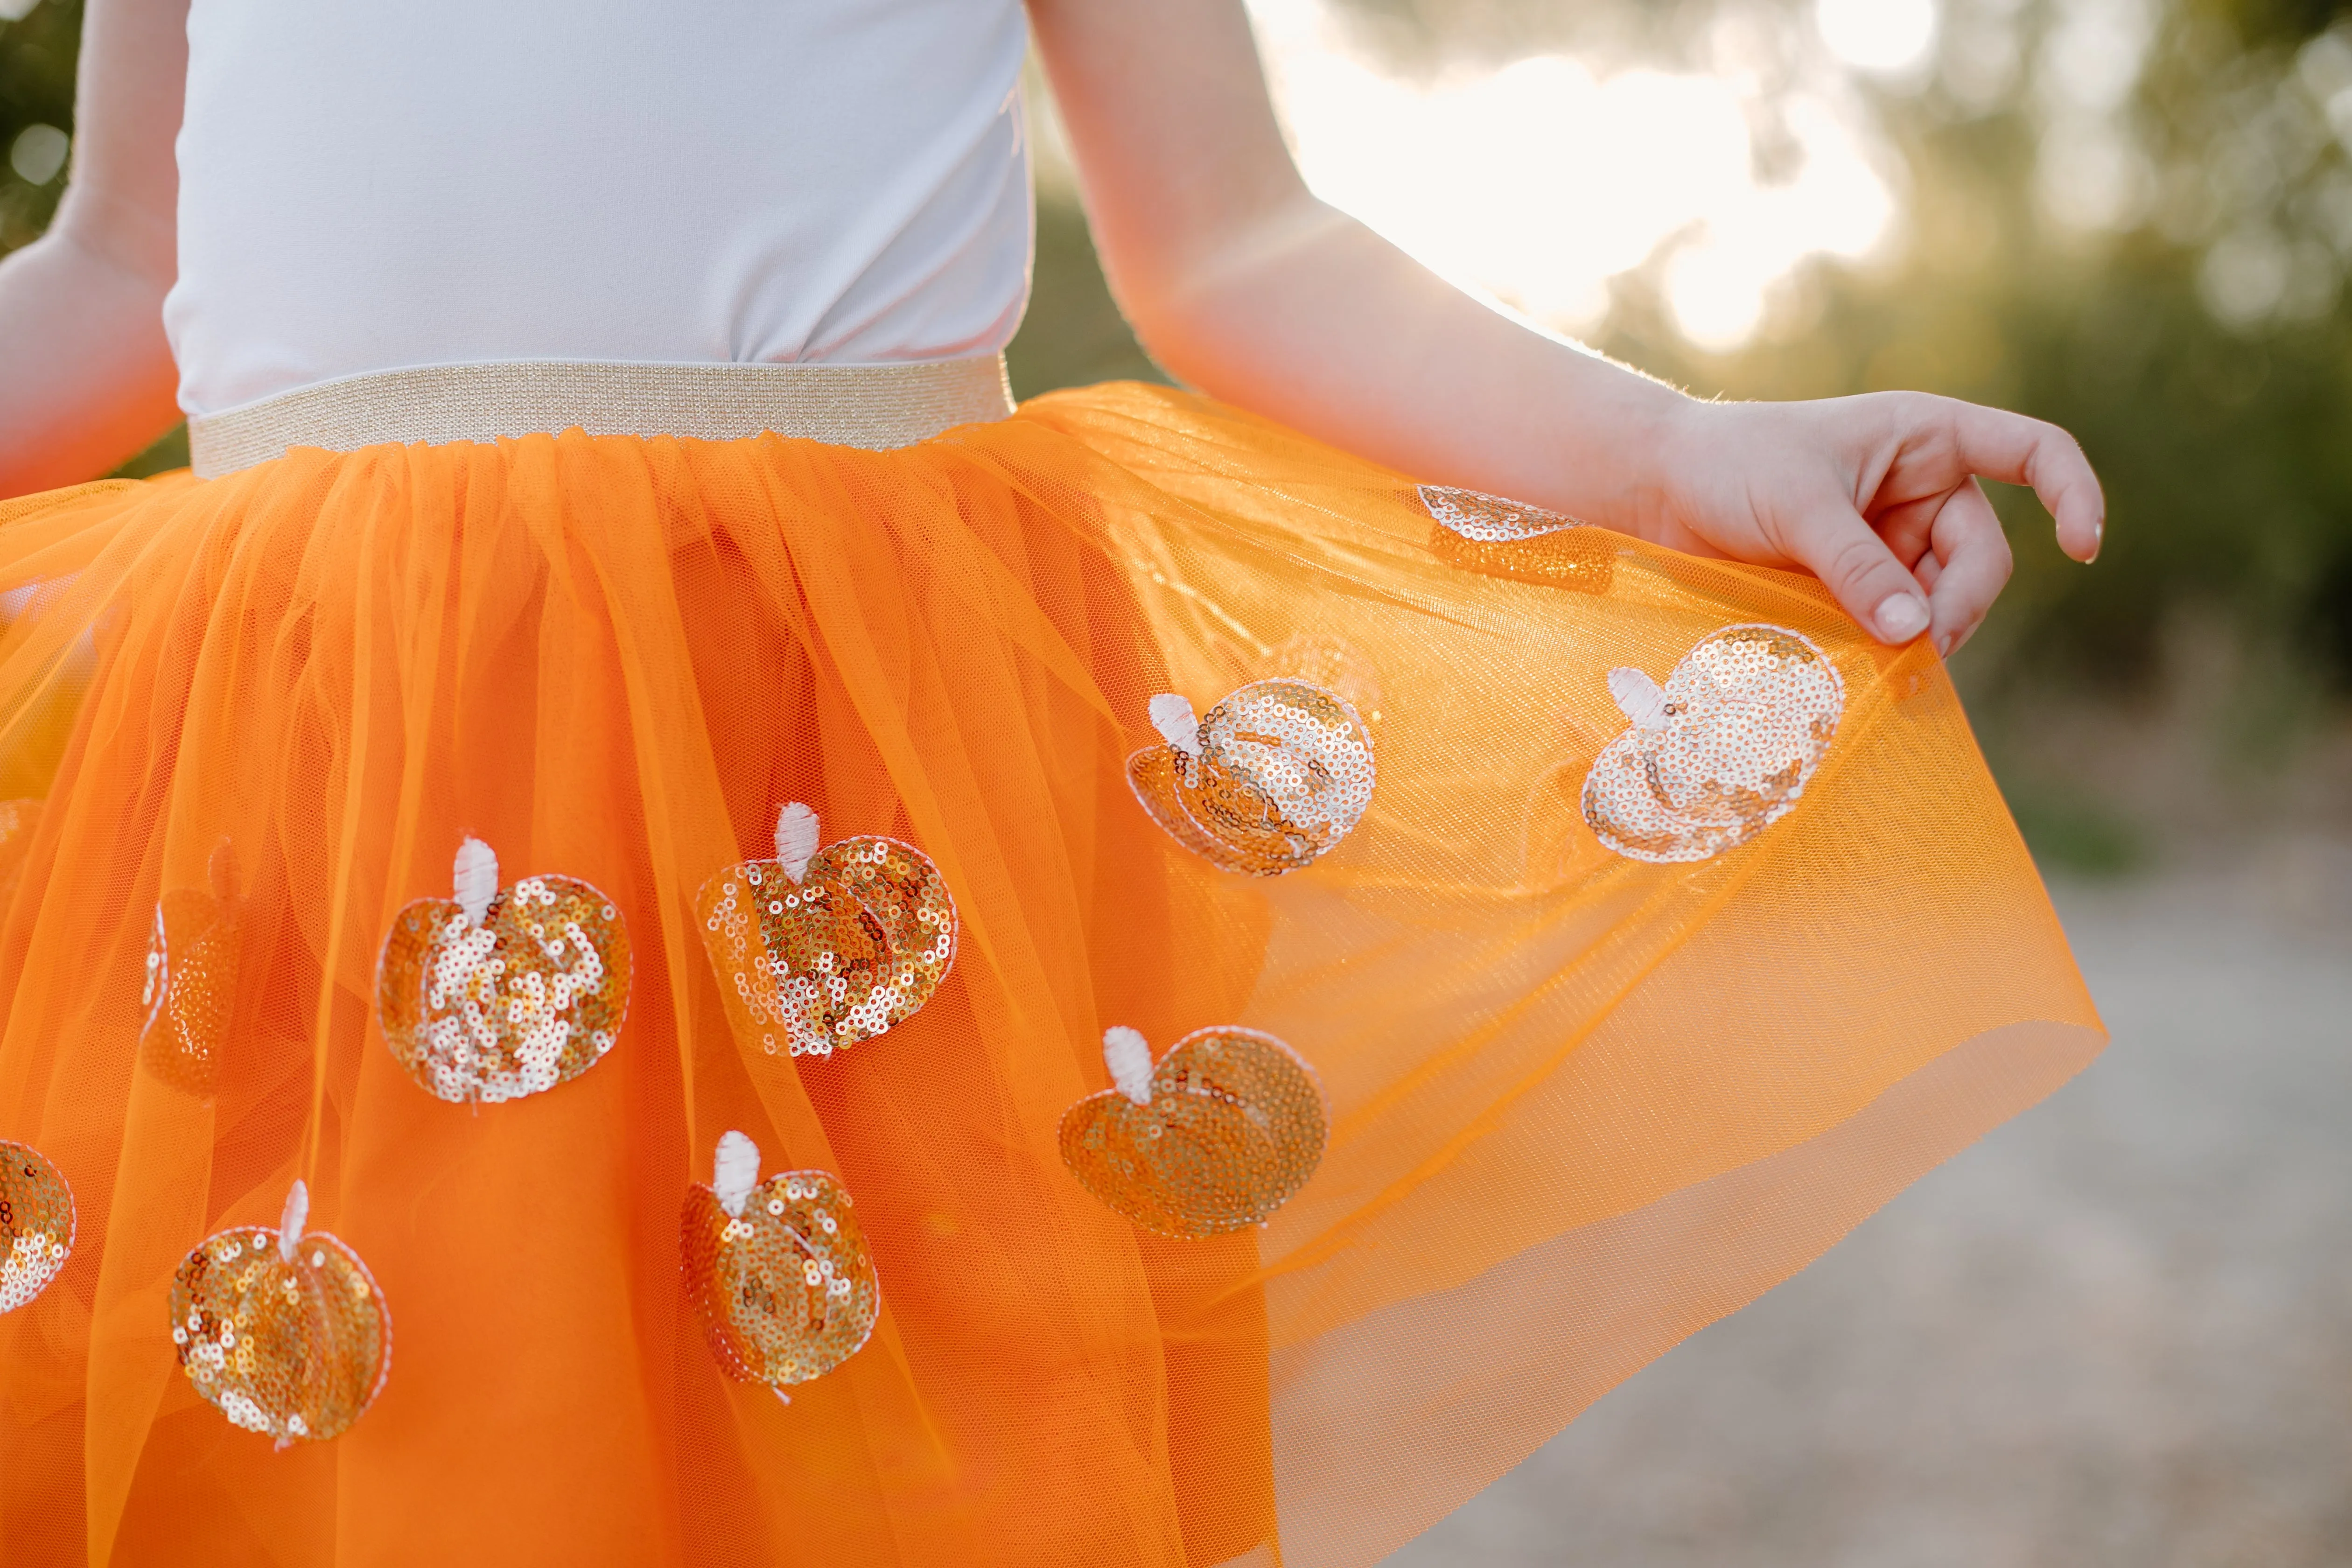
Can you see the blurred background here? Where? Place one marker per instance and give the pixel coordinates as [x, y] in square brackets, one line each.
[2121, 1331]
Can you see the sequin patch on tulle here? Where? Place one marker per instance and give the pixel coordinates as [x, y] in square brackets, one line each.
[508, 999]
[1721, 750]
[1268, 781]
[1221, 1133]
[1491, 520]
[822, 948]
[190, 990]
[1498, 538]
[1315, 658]
[284, 1333]
[778, 1270]
[36, 1224]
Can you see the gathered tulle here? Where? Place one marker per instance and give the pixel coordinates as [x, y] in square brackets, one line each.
[1580, 1103]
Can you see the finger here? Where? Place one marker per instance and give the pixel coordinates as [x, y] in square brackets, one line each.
[1976, 565]
[2016, 450]
[1926, 569]
[1908, 527]
[1834, 544]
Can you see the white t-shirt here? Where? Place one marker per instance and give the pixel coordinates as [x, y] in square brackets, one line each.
[368, 185]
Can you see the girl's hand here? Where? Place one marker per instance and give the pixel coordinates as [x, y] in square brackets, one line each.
[1875, 495]
[1245, 285]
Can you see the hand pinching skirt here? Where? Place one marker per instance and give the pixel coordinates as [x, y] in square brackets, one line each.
[1114, 987]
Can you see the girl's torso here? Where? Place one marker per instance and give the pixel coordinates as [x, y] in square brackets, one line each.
[365, 187]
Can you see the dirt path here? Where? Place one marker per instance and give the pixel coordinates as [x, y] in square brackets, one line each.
[2117, 1333]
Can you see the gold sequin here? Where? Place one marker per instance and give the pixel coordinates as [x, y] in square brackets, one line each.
[295, 1347]
[36, 1224]
[191, 989]
[1277, 775]
[532, 994]
[850, 947]
[1722, 750]
[785, 1288]
[1582, 560]
[1234, 1123]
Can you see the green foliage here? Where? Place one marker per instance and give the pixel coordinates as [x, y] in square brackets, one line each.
[2274, 21]
[37, 68]
[169, 452]
[1074, 334]
[2075, 831]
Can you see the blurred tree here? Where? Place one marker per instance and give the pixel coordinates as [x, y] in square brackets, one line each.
[37, 46]
[1074, 334]
[2129, 217]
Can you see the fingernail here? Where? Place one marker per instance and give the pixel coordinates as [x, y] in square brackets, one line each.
[2098, 539]
[1900, 617]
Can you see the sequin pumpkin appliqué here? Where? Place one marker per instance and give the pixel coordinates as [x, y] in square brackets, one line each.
[284, 1333]
[1217, 1137]
[1270, 780]
[190, 990]
[777, 1270]
[193, 955]
[1483, 519]
[502, 993]
[1497, 537]
[1719, 752]
[36, 1224]
[818, 950]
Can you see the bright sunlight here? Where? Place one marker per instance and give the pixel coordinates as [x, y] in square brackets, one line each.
[1542, 182]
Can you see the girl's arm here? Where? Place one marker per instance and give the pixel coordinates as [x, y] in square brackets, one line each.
[1244, 284]
[86, 378]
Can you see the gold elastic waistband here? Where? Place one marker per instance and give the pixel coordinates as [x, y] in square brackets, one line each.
[870, 406]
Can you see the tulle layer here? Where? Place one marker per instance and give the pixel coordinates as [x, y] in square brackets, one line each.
[1577, 1102]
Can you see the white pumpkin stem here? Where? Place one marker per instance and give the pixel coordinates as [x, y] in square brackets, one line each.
[1173, 717]
[734, 1172]
[796, 830]
[475, 879]
[1639, 698]
[289, 1226]
[220, 870]
[1129, 1057]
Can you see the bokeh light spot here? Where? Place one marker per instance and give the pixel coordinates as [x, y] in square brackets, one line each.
[38, 152]
[1889, 35]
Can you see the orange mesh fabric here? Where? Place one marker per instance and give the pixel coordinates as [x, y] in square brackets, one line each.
[1579, 1104]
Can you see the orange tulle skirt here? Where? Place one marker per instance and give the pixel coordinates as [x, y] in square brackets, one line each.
[1538, 944]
